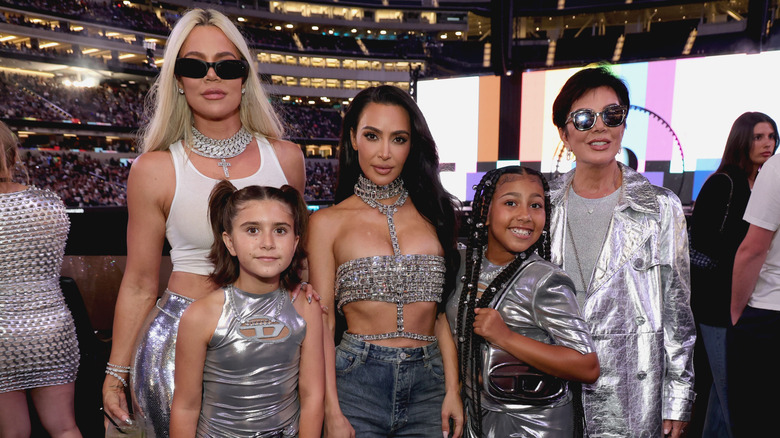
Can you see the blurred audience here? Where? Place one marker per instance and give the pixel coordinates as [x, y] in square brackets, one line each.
[320, 179]
[83, 181]
[308, 122]
[80, 180]
[41, 98]
[113, 13]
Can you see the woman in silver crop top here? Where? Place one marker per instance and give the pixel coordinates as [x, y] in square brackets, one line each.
[208, 107]
[386, 255]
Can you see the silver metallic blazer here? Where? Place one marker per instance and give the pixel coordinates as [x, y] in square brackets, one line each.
[638, 310]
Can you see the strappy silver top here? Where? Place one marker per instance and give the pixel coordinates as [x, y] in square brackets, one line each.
[400, 279]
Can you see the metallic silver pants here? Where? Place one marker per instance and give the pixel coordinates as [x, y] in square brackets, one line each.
[153, 361]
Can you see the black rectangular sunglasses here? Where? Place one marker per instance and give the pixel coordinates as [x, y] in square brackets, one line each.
[225, 69]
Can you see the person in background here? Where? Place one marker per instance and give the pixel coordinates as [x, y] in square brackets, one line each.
[39, 353]
[623, 241]
[752, 351]
[211, 120]
[717, 229]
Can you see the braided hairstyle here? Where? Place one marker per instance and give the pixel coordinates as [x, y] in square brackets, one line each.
[469, 355]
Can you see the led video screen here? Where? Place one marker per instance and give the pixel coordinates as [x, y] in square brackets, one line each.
[693, 101]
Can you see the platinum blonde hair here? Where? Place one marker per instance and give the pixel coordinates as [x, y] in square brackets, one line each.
[171, 116]
[9, 155]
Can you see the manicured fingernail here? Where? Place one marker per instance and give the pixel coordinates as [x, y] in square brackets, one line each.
[308, 299]
[445, 434]
[293, 298]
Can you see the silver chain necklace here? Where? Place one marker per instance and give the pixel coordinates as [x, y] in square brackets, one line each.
[220, 149]
[370, 193]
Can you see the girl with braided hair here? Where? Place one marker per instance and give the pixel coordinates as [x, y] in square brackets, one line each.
[518, 327]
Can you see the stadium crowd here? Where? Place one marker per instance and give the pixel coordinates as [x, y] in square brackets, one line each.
[80, 180]
[83, 181]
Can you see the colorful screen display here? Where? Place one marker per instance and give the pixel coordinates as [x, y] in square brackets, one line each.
[697, 99]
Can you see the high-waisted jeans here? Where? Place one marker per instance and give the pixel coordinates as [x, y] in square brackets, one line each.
[390, 392]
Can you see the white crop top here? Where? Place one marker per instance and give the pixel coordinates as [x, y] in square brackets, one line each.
[188, 228]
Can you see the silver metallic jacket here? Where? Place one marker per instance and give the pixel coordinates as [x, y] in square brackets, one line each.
[638, 310]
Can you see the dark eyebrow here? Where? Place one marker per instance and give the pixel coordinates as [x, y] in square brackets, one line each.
[257, 224]
[401, 131]
[517, 195]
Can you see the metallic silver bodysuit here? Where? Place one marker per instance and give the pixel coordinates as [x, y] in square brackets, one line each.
[38, 344]
[250, 378]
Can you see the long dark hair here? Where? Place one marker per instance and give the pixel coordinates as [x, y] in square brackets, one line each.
[420, 172]
[469, 357]
[224, 203]
[740, 141]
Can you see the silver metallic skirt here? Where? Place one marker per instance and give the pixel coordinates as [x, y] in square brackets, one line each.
[153, 362]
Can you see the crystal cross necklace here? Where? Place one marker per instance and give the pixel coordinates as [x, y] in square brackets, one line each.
[220, 149]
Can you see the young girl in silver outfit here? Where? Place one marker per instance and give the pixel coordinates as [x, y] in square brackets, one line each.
[249, 360]
[520, 335]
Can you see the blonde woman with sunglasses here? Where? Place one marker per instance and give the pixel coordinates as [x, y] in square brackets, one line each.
[623, 242]
[210, 120]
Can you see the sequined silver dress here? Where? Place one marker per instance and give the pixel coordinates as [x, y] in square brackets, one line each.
[38, 344]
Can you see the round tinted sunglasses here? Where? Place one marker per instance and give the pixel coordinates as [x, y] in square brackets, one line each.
[585, 119]
[225, 69]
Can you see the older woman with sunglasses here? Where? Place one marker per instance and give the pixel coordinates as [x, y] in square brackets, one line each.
[623, 242]
[211, 120]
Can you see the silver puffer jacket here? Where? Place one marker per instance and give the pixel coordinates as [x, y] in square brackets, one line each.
[638, 310]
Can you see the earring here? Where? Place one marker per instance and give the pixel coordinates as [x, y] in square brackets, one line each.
[243, 91]
[181, 91]
[569, 155]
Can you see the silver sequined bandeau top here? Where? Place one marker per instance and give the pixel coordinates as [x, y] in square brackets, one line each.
[400, 279]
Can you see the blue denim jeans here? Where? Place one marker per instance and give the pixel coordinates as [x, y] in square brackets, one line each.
[390, 392]
[717, 422]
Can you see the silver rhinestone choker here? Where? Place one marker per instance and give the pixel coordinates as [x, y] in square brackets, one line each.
[367, 190]
[220, 149]
[371, 193]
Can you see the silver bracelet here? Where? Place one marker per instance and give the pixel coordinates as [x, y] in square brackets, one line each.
[118, 367]
[118, 377]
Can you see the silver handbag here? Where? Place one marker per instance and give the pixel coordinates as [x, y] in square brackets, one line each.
[507, 379]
